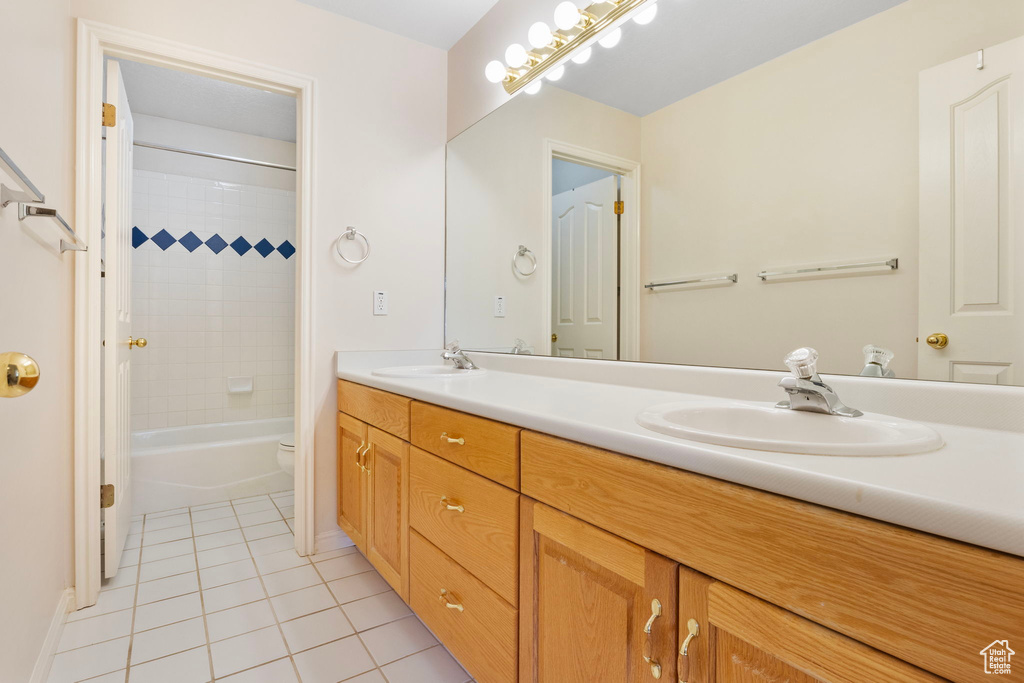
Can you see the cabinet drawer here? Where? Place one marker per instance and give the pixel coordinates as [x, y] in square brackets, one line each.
[483, 536]
[389, 412]
[488, 448]
[482, 632]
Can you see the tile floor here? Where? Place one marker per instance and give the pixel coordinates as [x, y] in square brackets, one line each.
[217, 592]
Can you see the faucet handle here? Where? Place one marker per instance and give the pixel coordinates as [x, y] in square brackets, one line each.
[452, 346]
[803, 362]
[878, 356]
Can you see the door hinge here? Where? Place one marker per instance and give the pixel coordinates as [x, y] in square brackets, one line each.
[109, 115]
[106, 496]
[620, 208]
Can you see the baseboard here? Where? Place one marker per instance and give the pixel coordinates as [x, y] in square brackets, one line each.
[331, 540]
[64, 606]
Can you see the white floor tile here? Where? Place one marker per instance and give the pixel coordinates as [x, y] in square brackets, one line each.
[219, 540]
[150, 571]
[214, 526]
[129, 557]
[280, 671]
[334, 662]
[432, 666]
[112, 677]
[152, 553]
[284, 501]
[278, 494]
[272, 544]
[95, 630]
[250, 499]
[288, 511]
[120, 580]
[396, 640]
[170, 587]
[232, 595]
[167, 640]
[316, 629]
[254, 506]
[133, 541]
[337, 540]
[291, 579]
[359, 586]
[166, 612]
[136, 527]
[279, 561]
[243, 652]
[165, 535]
[303, 602]
[213, 513]
[238, 620]
[261, 517]
[331, 554]
[187, 667]
[211, 506]
[166, 522]
[224, 555]
[376, 610]
[211, 577]
[253, 533]
[86, 662]
[165, 513]
[374, 676]
[343, 566]
[109, 601]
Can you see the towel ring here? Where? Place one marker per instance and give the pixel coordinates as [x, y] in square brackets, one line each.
[351, 234]
[523, 251]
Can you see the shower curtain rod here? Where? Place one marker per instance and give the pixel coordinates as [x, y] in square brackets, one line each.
[208, 155]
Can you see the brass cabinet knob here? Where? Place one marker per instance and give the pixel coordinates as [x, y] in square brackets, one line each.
[140, 342]
[21, 373]
[937, 340]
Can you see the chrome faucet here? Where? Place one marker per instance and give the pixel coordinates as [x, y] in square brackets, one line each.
[876, 362]
[519, 347]
[456, 355]
[806, 389]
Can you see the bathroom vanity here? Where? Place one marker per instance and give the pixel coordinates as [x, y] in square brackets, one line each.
[535, 557]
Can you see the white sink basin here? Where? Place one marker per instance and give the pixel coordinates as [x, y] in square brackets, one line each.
[767, 428]
[413, 371]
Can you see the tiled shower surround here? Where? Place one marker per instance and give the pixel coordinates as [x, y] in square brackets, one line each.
[213, 292]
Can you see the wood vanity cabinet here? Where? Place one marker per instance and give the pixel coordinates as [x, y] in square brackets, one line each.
[351, 480]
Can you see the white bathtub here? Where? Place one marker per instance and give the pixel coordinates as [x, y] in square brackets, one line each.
[200, 464]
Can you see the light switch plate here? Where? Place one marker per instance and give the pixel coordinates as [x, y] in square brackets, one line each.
[380, 303]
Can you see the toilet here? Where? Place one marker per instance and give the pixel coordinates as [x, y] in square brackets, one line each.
[286, 454]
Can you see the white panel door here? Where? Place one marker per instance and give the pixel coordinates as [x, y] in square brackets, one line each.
[117, 320]
[972, 205]
[584, 307]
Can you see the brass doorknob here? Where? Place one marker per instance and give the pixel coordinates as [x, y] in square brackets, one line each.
[140, 342]
[21, 374]
[554, 337]
[937, 340]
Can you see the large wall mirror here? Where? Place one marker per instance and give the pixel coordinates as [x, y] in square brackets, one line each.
[739, 178]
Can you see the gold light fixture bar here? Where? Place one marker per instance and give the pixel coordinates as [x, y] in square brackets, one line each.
[595, 19]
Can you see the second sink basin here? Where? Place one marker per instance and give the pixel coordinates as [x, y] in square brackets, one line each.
[412, 371]
[766, 428]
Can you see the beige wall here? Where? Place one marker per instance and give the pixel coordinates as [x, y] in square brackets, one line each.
[812, 157]
[496, 202]
[36, 48]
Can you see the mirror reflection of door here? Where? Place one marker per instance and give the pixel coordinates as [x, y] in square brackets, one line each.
[971, 143]
[584, 235]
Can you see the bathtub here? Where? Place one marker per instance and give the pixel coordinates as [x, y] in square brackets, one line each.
[200, 464]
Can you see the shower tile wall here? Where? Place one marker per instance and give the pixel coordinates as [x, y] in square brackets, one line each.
[213, 291]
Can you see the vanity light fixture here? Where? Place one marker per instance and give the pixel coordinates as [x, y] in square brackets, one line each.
[577, 30]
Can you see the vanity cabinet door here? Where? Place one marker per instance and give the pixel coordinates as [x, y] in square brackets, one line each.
[738, 638]
[586, 598]
[352, 443]
[387, 530]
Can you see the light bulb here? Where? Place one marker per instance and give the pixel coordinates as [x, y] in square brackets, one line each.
[515, 55]
[582, 56]
[647, 16]
[567, 15]
[540, 35]
[534, 87]
[556, 73]
[495, 71]
[612, 39]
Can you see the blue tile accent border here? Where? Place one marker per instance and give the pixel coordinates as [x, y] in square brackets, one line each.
[216, 244]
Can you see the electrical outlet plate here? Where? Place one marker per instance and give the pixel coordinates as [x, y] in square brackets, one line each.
[380, 303]
[499, 307]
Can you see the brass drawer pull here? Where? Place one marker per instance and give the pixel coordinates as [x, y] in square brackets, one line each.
[447, 603]
[683, 665]
[648, 646]
[445, 437]
[450, 504]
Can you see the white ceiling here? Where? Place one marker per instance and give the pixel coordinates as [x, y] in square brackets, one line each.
[205, 101]
[440, 23]
[694, 44]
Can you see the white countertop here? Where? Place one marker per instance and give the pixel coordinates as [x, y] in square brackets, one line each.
[971, 490]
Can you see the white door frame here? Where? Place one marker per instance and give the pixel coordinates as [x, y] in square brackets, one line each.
[629, 248]
[95, 42]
